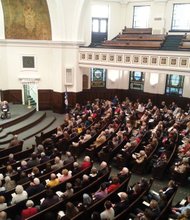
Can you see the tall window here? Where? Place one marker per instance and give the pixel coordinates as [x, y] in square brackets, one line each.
[181, 17]
[99, 23]
[174, 85]
[136, 80]
[98, 77]
[141, 16]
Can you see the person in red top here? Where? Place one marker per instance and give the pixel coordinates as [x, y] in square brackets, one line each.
[86, 163]
[29, 211]
[114, 185]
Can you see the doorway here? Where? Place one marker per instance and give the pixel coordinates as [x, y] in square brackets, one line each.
[30, 95]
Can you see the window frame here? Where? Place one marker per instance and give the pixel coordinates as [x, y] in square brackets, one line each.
[172, 28]
[178, 87]
[138, 83]
[99, 24]
[135, 6]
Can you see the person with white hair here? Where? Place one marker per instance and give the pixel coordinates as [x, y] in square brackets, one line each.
[85, 180]
[103, 168]
[11, 159]
[44, 158]
[23, 165]
[122, 204]
[123, 174]
[9, 184]
[19, 195]
[86, 163]
[58, 163]
[69, 191]
[68, 158]
[35, 187]
[29, 211]
[76, 168]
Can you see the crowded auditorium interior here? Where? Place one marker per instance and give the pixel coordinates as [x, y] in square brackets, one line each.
[95, 109]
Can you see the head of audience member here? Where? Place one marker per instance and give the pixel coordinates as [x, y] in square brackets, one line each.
[85, 178]
[29, 203]
[103, 165]
[108, 205]
[3, 215]
[124, 171]
[9, 169]
[34, 156]
[40, 148]
[153, 204]
[69, 186]
[53, 176]
[35, 171]
[19, 189]
[87, 200]
[87, 159]
[94, 171]
[123, 196]
[57, 160]
[2, 200]
[76, 164]
[65, 172]
[11, 157]
[23, 164]
[7, 179]
[35, 182]
[171, 184]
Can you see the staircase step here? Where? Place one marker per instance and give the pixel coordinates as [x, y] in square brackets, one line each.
[172, 42]
[45, 123]
[7, 134]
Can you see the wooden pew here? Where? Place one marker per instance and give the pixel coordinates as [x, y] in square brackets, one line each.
[143, 37]
[18, 156]
[14, 149]
[134, 44]
[137, 31]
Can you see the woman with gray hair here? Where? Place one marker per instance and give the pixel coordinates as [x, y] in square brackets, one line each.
[19, 195]
[29, 211]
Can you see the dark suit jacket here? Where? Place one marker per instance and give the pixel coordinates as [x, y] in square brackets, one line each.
[31, 190]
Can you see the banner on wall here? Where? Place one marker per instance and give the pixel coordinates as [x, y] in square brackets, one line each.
[98, 77]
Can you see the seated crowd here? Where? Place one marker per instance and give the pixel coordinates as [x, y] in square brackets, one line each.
[145, 129]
